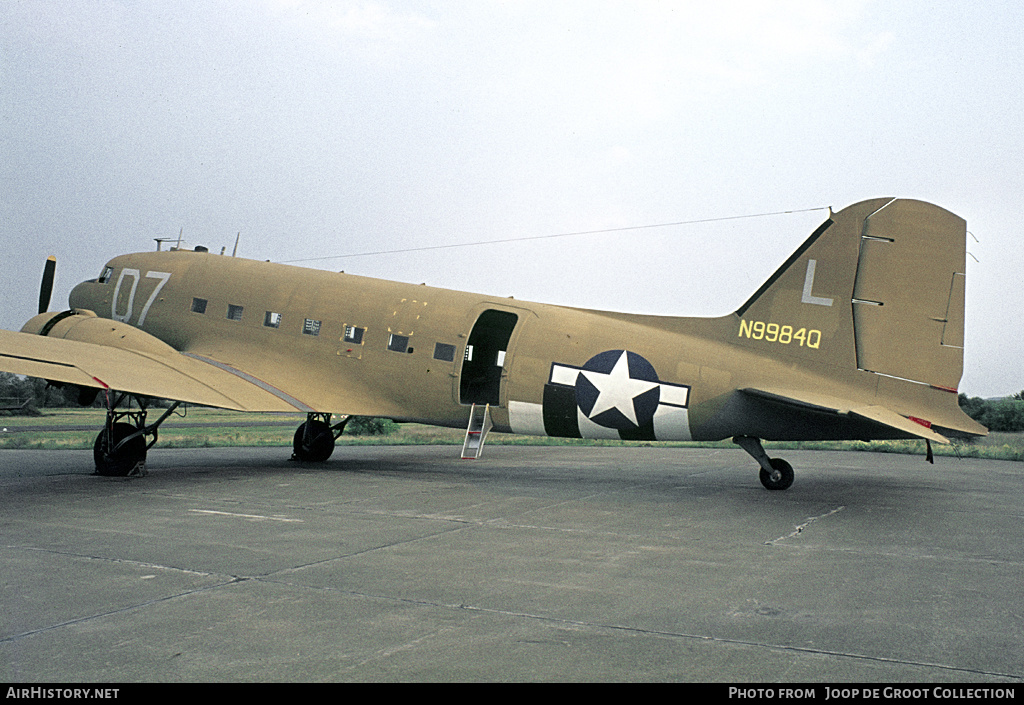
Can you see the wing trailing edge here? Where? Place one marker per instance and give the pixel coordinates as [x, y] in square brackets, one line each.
[155, 372]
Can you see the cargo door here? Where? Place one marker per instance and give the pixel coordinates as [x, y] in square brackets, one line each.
[484, 358]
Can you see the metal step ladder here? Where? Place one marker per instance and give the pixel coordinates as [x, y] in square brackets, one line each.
[476, 432]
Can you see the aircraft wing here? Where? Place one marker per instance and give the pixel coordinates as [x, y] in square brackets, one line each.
[823, 403]
[156, 371]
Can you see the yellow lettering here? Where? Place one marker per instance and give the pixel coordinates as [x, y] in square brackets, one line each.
[782, 334]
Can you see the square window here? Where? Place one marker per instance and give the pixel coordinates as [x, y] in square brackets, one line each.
[311, 327]
[444, 352]
[198, 305]
[272, 320]
[354, 335]
[398, 343]
[234, 312]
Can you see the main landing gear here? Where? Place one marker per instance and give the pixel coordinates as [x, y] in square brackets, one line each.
[776, 473]
[120, 448]
[314, 439]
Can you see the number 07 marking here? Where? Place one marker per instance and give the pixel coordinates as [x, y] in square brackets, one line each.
[134, 274]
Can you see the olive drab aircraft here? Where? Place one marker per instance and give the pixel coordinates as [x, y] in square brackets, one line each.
[858, 335]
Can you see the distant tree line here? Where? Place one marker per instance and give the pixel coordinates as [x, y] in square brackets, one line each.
[33, 393]
[1003, 415]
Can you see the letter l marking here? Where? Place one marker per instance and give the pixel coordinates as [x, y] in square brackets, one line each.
[808, 297]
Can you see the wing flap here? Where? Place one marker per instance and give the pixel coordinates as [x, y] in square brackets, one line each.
[169, 375]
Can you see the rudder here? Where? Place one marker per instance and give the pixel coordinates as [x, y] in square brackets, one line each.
[908, 297]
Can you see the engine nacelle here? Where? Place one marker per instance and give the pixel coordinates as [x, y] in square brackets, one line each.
[86, 327]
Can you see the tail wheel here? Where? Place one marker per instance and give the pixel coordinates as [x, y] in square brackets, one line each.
[781, 478]
[119, 462]
[318, 447]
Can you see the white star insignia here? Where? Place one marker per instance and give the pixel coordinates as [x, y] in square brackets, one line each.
[617, 389]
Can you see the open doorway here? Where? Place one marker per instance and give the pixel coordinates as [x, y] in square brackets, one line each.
[480, 382]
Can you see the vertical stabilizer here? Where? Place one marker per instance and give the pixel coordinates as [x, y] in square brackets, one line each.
[877, 293]
[804, 309]
[878, 287]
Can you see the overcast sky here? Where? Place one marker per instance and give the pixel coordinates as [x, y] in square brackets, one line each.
[320, 128]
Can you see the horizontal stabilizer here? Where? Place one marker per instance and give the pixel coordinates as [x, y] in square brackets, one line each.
[856, 412]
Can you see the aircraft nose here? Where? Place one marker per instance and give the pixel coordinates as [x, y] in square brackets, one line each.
[83, 295]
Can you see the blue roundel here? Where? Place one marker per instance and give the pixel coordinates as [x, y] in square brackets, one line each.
[618, 389]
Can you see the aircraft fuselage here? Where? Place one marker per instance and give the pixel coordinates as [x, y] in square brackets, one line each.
[349, 344]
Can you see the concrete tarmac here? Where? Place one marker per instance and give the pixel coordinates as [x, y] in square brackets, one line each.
[531, 563]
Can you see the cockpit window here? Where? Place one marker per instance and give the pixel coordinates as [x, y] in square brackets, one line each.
[108, 272]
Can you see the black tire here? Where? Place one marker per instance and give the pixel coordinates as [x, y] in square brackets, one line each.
[126, 458]
[785, 471]
[321, 446]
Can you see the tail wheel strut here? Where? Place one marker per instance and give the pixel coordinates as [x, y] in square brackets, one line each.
[776, 473]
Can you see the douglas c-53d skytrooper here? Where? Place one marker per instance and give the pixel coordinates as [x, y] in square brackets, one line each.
[859, 335]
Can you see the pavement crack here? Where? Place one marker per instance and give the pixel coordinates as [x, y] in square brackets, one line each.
[121, 610]
[801, 527]
[951, 668]
[109, 559]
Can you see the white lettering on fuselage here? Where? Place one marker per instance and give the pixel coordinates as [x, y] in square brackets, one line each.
[125, 317]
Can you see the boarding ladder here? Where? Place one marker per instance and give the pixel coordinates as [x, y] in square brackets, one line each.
[476, 432]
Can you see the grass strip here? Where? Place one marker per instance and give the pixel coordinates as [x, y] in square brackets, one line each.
[213, 428]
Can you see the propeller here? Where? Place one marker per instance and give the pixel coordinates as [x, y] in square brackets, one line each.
[46, 287]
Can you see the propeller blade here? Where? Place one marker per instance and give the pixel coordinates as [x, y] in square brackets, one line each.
[46, 287]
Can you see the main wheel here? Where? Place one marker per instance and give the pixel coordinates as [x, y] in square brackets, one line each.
[120, 462]
[785, 475]
[320, 446]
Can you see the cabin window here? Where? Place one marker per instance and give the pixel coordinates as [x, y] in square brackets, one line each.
[272, 320]
[354, 334]
[311, 327]
[235, 312]
[398, 343]
[444, 352]
[108, 272]
[198, 305]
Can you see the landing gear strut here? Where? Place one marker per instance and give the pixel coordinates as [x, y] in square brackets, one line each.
[776, 473]
[314, 439]
[120, 448]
